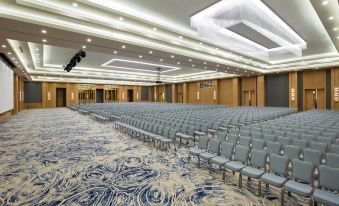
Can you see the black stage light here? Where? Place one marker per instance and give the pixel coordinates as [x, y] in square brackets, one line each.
[75, 59]
[82, 54]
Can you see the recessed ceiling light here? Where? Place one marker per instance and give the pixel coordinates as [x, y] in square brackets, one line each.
[123, 46]
[190, 60]
[9, 53]
[140, 56]
[172, 56]
[89, 40]
[335, 29]
[115, 52]
[151, 52]
[155, 29]
[13, 58]
[75, 4]
[201, 43]
[178, 62]
[17, 62]
[121, 18]
[44, 40]
[180, 37]
[43, 31]
[161, 60]
[331, 18]
[217, 65]
[3, 46]
[193, 65]
[324, 2]
[37, 49]
[84, 47]
[205, 63]
[205, 67]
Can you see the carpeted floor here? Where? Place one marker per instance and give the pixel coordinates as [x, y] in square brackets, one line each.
[60, 157]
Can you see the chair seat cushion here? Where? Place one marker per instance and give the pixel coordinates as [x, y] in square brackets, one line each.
[212, 130]
[219, 160]
[207, 155]
[252, 172]
[179, 134]
[273, 179]
[199, 133]
[158, 137]
[326, 197]
[187, 137]
[166, 140]
[235, 166]
[304, 190]
[196, 151]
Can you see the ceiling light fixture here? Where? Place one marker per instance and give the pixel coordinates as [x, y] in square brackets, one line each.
[84, 47]
[193, 65]
[178, 63]
[121, 18]
[201, 43]
[123, 46]
[75, 4]
[43, 31]
[140, 56]
[205, 63]
[190, 60]
[324, 2]
[9, 53]
[89, 40]
[335, 29]
[37, 49]
[151, 52]
[331, 18]
[13, 58]
[180, 37]
[3, 46]
[161, 60]
[155, 29]
[44, 40]
[115, 52]
[172, 56]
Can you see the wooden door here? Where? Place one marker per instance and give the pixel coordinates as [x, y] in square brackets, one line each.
[321, 102]
[245, 98]
[61, 97]
[309, 96]
[315, 99]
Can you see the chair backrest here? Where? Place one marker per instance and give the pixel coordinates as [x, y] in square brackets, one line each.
[160, 130]
[267, 131]
[279, 164]
[273, 147]
[303, 171]
[319, 146]
[241, 153]
[313, 156]
[285, 140]
[335, 148]
[244, 133]
[203, 142]
[307, 137]
[329, 177]
[293, 135]
[221, 136]
[226, 150]
[233, 139]
[292, 152]
[258, 144]
[173, 134]
[190, 130]
[214, 146]
[258, 158]
[244, 141]
[326, 140]
[165, 131]
[303, 144]
[332, 160]
[256, 135]
[269, 137]
[279, 133]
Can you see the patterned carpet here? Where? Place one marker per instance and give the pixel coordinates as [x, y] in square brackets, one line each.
[60, 157]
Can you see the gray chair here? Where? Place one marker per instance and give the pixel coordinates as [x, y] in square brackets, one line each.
[313, 156]
[256, 135]
[279, 133]
[293, 135]
[319, 146]
[302, 180]
[269, 137]
[213, 151]
[189, 135]
[307, 137]
[245, 133]
[171, 139]
[245, 141]
[284, 140]
[257, 166]
[202, 147]
[267, 131]
[273, 147]
[303, 144]
[234, 132]
[240, 160]
[326, 140]
[258, 144]
[233, 139]
[292, 152]
[221, 136]
[226, 151]
[332, 160]
[335, 148]
[278, 172]
[328, 181]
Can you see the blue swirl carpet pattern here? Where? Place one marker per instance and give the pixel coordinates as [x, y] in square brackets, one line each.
[60, 157]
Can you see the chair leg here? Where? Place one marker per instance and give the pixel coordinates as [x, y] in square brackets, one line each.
[209, 166]
[223, 174]
[198, 161]
[240, 179]
[310, 202]
[259, 188]
[282, 195]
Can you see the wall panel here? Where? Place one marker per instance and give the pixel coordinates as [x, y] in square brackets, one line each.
[334, 85]
[277, 87]
[225, 92]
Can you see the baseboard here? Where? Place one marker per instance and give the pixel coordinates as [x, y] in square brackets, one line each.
[5, 116]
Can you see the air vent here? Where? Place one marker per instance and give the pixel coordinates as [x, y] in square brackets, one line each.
[22, 51]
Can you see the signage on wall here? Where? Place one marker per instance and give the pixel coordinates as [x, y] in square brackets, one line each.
[49, 96]
[163, 96]
[198, 95]
[336, 94]
[137, 95]
[123, 95]
[20, 96]
[214, 95]
[72, 96]
[155, 95]
[292, 94]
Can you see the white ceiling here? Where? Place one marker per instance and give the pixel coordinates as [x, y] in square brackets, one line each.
[155, 30]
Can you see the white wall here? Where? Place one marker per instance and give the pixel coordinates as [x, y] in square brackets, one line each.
[6, 88]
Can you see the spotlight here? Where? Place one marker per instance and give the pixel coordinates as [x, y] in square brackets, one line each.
[75, 59]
